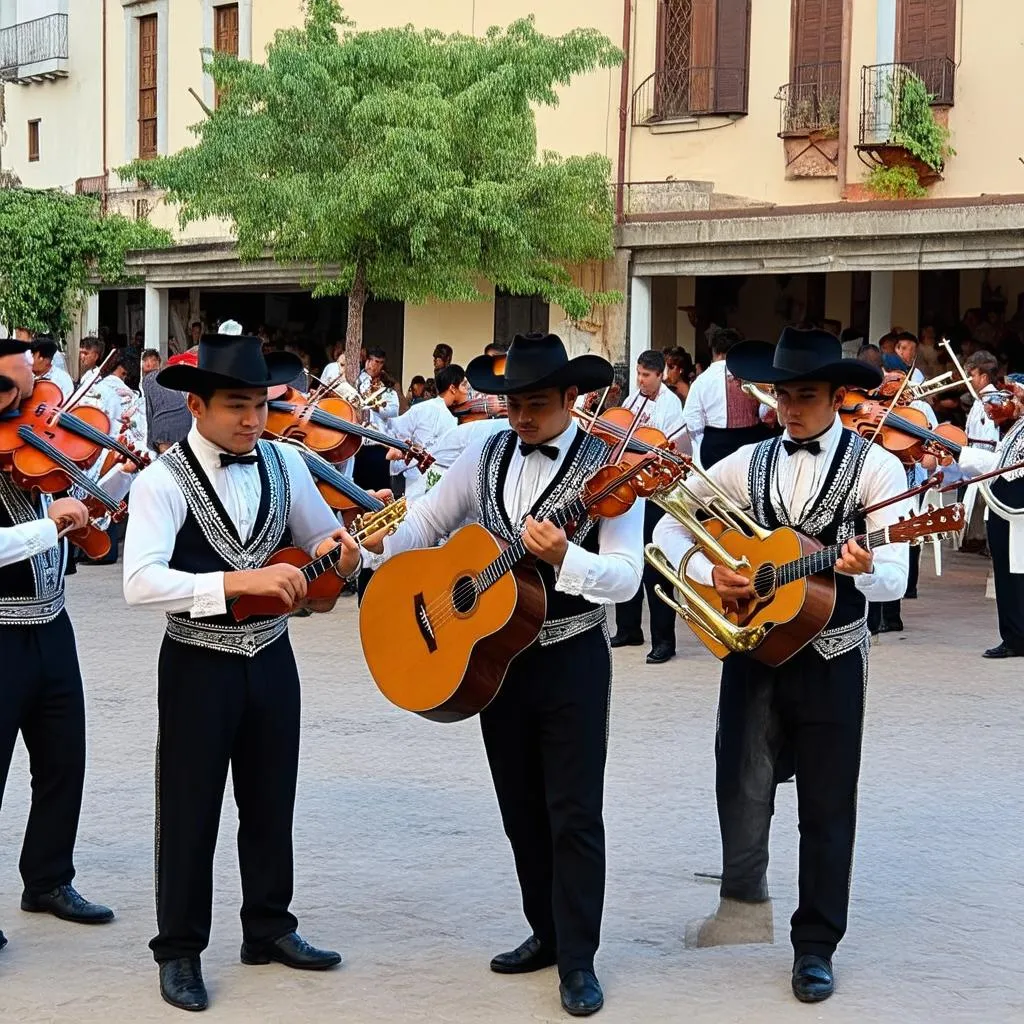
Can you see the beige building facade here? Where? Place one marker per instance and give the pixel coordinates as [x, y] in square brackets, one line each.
[740, 133]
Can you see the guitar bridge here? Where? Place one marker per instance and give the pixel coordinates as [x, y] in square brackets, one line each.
[423, 621]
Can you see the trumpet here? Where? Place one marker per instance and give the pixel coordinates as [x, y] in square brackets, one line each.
[764, 397]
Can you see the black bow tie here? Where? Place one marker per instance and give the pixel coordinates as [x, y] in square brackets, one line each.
[550, 450]
[237, 460]
[792, 447]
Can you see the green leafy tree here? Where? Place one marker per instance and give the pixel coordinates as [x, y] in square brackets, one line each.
[400, 163]
[52, 246]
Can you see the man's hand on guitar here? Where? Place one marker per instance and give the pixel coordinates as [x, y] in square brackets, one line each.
[545, 541]
[350, 559]
[855, 560]
[282, 581]
[731, 586]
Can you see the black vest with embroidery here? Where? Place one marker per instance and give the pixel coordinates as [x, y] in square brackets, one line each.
[209, 542]
[1009, 489]
[567, 615]
[830, 518]
[32, 590]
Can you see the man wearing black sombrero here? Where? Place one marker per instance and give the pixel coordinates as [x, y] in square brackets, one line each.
[814, 478]
[204, 521]
[546, 731]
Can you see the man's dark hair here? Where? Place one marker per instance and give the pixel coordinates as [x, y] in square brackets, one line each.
[376, 353]
[91, 344]
[906, 336]
[723, 339]
[867, 347]
[129, 362]
[851, 334]
[45, 347]
[449, 376]
[984, 362]
[495, 348]
[150, 353]
[442, 351]
[418, 379]
[652, 360]
[678, 356]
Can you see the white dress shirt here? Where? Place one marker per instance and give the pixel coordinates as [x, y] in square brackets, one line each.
[424, 423]
[797, 482]
[611, 576]
[706, 404]
[331, 372]
[59, 377]
[664, 411]
[379, 418]
[979, 427]
[158, 510]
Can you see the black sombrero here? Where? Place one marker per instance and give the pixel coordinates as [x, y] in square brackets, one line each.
[534, 362]
[231, 361]
[800, 355]
[13, 347]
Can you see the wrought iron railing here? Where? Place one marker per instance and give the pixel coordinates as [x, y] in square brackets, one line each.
[689, 92]
[32, 42]
[811, 102]
[881, 90]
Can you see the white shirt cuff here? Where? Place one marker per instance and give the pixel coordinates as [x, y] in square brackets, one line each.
[575, 574]
[208, 595]
[40, 535]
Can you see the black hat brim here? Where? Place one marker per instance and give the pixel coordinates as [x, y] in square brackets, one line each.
[587, 372]
[13, 347]
[753, 361]
[282, 368]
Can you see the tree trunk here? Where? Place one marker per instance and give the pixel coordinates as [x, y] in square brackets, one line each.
[354, 330]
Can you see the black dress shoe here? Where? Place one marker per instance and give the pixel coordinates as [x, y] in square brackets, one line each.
[812, 978]
[532, 955]
[293, 951]
[891, 627]
[581, 993]
[3, 940]
[181, 984]
[627, 640]
[660, 653]
[67, 904]
[1001, 651]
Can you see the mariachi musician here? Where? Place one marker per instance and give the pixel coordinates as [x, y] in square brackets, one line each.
[42, 682]
[813, 478]
[546, 731]
[1005, 527]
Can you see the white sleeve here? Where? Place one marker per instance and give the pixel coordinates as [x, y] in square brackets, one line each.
[674, 421]
[20, 542]
[693, 411]
[310, 519]
[157, 513]
[614, 573]
[883, 477]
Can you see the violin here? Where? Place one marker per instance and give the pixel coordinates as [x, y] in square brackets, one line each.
[328, 427]
[482, 407]
[893, 384]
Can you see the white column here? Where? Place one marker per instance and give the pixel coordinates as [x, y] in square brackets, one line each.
[885, 32]
[91, 325]
[639, 318]
[880, 320]
[156, 319]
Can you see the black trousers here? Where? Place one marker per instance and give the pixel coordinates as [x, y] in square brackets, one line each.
[546, 736]
[814, 710]
[1009, 586]
[41, 696]
[371, 470]
[891, 612]
[628, 615]
[718, 442]
[217, 710]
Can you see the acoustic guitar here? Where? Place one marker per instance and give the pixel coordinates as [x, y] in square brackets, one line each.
[795, 593]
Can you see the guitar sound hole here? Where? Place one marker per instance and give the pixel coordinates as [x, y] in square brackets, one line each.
[764, 580]
[464, 595]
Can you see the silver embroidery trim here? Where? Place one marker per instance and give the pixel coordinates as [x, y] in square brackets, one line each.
[30, 611]
[1013, 449]
[831, 643]
[557, 630]
[244, 640]
[47, 565]
[261, 545]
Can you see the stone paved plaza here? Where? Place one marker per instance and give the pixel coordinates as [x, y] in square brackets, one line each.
[401, 863]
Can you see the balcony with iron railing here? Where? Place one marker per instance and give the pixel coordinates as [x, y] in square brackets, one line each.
[676, 93]
[882, 87]
[810, 104]
[34, 51]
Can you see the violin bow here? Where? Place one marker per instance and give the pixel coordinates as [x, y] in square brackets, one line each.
[893, 403]
[596, 414]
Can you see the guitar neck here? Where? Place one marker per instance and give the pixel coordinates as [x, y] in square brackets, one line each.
[826, 558]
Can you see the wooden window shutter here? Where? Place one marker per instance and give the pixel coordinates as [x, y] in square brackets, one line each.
[926, 42]
[732, 56]
[148, 86]
[33, 141]
[225, 35]
[817, 38]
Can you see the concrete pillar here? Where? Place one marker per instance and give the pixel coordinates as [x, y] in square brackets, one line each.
[880, 321]
[91, 324]
[686, 295]
[639, 318]
[156, 319]
[885, 32]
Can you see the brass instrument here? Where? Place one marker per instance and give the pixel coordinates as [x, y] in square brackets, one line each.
[341, 387]
[764, 397]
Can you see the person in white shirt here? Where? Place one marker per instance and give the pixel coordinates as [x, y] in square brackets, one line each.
[90, 355]
[425, 424]
[982, 369]
[814, 478]
[545, 732]
[655, 405]
[334, 370]
[205, 520]
[44, 352]
[720, 416]
[371, 470]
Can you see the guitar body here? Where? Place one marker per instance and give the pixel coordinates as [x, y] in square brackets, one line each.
[441, 657]
[794, 613]
[320, 594]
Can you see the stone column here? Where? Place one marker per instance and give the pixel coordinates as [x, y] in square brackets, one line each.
[639, 318]
[156, 319]
[880, 320]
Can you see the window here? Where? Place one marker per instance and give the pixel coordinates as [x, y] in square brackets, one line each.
[148, 86]
[33, 141]
[225, 34]
[703, 57]
[518, 314]
[926, 42]
[812, 98]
